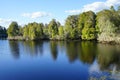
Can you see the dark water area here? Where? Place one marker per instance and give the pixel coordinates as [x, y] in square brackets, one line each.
[58, 60]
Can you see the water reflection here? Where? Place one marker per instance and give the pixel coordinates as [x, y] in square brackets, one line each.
[54, 49]
[88, 52]
[107, 57]
[33, 48]
[84, 51]
[72, 50]
[14, 48]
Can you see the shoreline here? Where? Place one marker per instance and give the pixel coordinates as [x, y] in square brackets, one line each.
[23, 39]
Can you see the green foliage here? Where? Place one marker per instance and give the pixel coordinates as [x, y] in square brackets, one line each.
[108, 23]
[39, 30]
[33, 31]
[53, 28]
[13, 30]
[20, 31]
[73, 33]
[71, 25]
[88, 34]
[45, 31]
[61, 32]
[87, 25]
[26, 32]
[103, 26]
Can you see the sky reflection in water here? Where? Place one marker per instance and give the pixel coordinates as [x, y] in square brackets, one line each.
[58, 60]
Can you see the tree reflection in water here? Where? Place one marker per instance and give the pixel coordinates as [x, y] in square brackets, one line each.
[106, 56]
[72, 50]
[88, 53]
[54, 49]
[109, 59]
[14, 48]
[33, 48]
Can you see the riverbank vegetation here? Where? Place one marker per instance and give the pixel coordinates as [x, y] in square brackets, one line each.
[103, 26]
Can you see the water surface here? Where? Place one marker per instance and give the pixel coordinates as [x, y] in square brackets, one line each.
[58, 60]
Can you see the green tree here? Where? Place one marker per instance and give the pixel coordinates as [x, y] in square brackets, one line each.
[39, 30]
[20, 31]
[107, 25]
[45, 31]
[74, 34]
[61, 32]
[32, 32]
[86, 25]
[53, 28]
[13, 30]
[71, 25]
[88, 34]
[26, 32]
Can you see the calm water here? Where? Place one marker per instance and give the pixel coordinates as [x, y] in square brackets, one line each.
[48, 60]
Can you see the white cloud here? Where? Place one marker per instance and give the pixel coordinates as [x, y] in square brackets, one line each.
[73, 11]
[35, 15]
[5, 22]
[96, 6]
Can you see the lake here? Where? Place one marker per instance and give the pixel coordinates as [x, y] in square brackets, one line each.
[58, 60]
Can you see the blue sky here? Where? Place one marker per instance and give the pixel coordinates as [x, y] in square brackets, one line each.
[25, 11]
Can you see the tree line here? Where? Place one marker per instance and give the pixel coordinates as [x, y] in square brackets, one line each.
[103, 26]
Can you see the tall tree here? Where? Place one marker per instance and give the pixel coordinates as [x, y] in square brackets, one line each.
[26, 32]
[108, 23]
[87, 25]
[61, 32]
[39, 30]
[71, 25]
[53, 28]
[13, 29]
